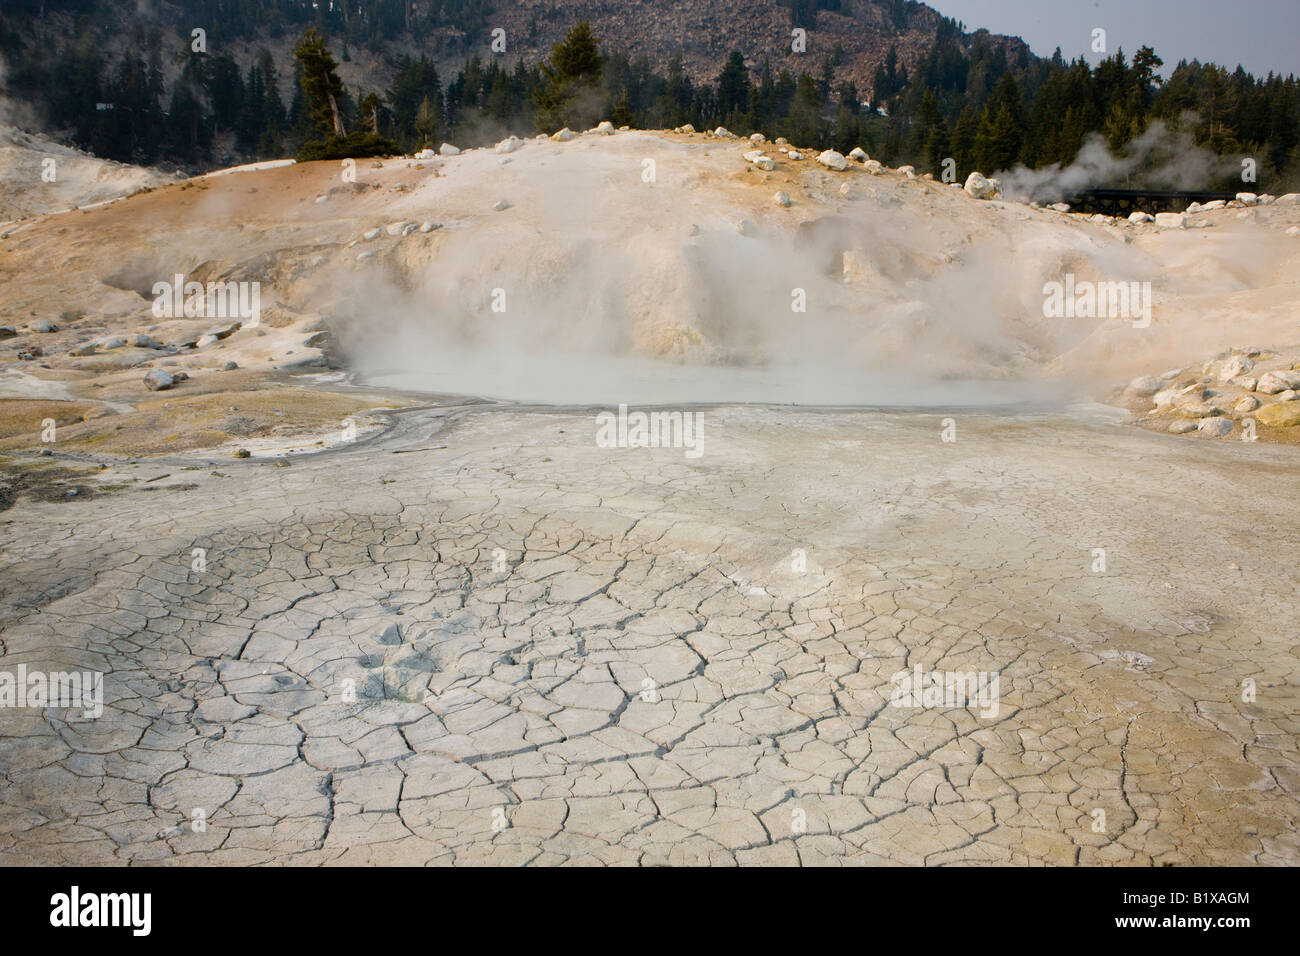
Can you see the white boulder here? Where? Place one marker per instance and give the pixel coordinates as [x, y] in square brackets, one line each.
[979, 187]
[1270, 383]
[833, 160]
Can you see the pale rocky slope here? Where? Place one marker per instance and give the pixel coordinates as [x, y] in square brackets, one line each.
[641, 266]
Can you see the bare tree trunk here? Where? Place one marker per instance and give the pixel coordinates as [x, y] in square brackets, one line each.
[338, 120]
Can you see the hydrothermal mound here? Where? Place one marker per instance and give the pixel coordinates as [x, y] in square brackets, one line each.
[471, 633]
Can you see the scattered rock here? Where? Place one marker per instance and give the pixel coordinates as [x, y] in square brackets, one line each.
[1247, 199]
[795, 154]
[1182, 427]
[781, 199]
[1215, 427]
[206, 340]
[243, 453]
[501, 205]
[978, 187]
[908, 171]
[509, 145]
[43, 325]
[81, 351]
[1246, 404]
[446, 149]
[1171, 220]
[114, 342]
[425, 154]
[156, 380]
[1139, 216]
[757, 138]
[605, 128]
[1270, 383]
[1145, 385]
[1283, 415]
[759, 159]
[230, 366]
[858, 154]
[562, 136]
[370, 234]
[396, 228]
[875, 167]
[1290, 395]
[833, 160]
[723, 132]
[429, 226]
[7, 332]
[1225, 370]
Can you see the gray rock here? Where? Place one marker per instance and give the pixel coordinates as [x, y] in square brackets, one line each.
[1215, 427]
[43, 325]
[1145, 385]
[781, 199]
[501, 205]
[1182, 427]
[156, 380]
[1270, 383]
[7, 331]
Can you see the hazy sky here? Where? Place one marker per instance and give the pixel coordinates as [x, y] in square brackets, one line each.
[1261, 35]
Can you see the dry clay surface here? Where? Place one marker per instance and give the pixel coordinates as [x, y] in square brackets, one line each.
[639, 675]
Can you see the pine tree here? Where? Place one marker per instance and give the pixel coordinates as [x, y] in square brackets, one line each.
[320, 82]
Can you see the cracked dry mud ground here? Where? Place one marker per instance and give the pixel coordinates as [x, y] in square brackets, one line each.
[521, 691]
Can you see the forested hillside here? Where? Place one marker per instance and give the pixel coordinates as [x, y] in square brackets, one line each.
[421, 73]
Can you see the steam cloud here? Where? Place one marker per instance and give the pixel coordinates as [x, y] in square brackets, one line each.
[1158, 159]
